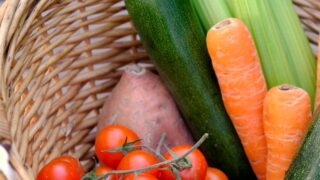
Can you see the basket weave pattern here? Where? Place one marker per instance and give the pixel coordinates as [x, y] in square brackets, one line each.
[59, 60]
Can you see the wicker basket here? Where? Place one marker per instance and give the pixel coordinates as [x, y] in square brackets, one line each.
[59, 60]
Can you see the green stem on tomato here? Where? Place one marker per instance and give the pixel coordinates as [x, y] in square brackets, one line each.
[195, 146]
[163, 137]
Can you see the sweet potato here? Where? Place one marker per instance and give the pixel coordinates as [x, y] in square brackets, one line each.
[141, 102]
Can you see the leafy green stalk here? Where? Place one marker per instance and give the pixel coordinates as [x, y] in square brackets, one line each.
[296, 44]
[284, 52]
[211, 11]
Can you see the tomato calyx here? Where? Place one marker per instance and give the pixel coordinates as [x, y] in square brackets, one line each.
[179, 165]
[129, 146]
[126, 147]
[182, 164]
[90, 176]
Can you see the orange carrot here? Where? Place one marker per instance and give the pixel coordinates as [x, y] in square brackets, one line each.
[317, 101]
[286, 114]
[236, 64]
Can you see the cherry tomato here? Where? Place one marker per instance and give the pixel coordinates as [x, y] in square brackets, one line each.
[102, 169]
[139, 159]
[197, 160]
[74, 162]
[59, 170]
[111, 137]
[142, 176]
[215, 174]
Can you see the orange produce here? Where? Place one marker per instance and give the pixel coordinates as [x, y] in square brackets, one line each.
[102, 169]
[215, 174]
[139, 159]
[142, 176]
[286, 115]
[236, 64]
[71, 160]
[197, 161]
[109, 138]
[63, 168]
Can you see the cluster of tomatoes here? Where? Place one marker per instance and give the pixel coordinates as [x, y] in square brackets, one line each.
[119, 148]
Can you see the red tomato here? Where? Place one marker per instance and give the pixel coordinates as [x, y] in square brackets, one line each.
[111, 137]
[59, 170]
[102, 169]
[139, 159]
[196, 158]
[215, 174]
[142, 176]
[71, 160]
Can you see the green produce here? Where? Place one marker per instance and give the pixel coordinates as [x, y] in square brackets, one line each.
[296, 44]
[211, 12]
[305, 165]
[173, 37]
[285, 54]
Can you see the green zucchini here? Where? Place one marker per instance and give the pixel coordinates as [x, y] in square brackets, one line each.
[173, 37]
[306, 164]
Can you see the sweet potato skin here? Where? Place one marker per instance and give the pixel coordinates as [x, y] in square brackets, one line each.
[141, 102]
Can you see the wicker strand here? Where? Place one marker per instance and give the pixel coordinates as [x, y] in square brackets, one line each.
[308, 10]
[4, 127]
[3, 8]
[21, 9]
[18, 165]
[38, 9]
[4, 28]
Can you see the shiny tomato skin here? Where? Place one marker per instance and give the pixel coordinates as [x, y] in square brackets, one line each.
[197, 171]
[74, 162]
[139, 159]
[111, 137]
[142, 176]
[59, 170]
[215, 174]
[102, 169]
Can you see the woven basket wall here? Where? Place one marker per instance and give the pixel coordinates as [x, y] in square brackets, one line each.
[59, 60]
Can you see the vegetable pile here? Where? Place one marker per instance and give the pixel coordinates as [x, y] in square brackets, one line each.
[122, 156]
[263, 47]
[137, 138]
[240, 72]
[173, 37]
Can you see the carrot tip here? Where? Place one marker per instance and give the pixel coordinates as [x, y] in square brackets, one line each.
[286, 87]
[222, 24]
